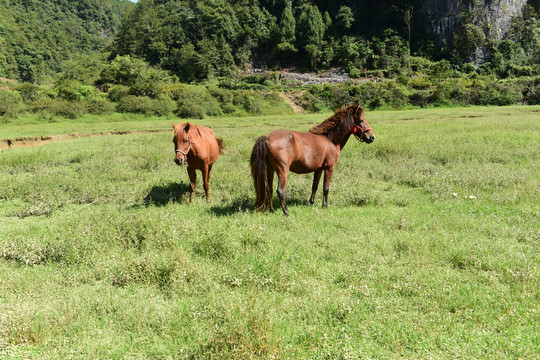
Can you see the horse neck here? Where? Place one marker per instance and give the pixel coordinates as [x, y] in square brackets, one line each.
[343, 141]
[197, 139]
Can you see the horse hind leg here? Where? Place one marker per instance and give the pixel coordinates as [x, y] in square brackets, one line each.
[269, 190]
[316, 178]
[282, 183]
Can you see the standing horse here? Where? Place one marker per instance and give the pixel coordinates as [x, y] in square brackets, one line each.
[303, 152]
[198, 147]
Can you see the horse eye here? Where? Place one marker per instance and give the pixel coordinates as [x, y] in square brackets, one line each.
[185, 141]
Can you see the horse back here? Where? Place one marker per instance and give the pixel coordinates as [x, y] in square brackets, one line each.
[302, 152]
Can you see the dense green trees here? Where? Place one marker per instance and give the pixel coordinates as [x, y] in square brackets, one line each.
[99, 56]
[37, 36]
[211, 38]
[194, 39]
[200, 39]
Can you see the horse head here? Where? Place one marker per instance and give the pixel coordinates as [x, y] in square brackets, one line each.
[361, 128]
[182, 142]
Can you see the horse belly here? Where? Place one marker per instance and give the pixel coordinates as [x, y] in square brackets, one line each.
[310, 159]
[301, 168]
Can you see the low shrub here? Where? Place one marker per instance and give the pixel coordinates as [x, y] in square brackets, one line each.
[420, 98]
[68, 109]
[59, 107]
[191, 95]
[468, 68]
[163, 105]
[420, 83]
[450, 92]
[489, 93]
[531, 92]
[174, 91]
[223, 96]
[99, 106]
[11, 103]
[354, 72]
[146, 105]
[135, 104]
[74, 91]
[117, 92]
[190, 109]
[420, 64]
[253, 105]
[30, 92]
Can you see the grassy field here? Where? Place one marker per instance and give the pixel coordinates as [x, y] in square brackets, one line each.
[430, 246]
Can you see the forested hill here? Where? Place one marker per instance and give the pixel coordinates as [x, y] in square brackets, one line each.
[200, 39]
[37, 36]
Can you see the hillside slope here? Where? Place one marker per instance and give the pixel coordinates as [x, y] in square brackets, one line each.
[36, 36]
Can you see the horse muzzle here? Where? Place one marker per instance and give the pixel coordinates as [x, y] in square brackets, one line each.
[368, 139]
[181, 156]
[180, 160]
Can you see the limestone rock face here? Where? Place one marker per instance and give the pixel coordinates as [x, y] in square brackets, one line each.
[445, 15]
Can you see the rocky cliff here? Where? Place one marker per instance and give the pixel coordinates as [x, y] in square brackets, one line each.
[445, 15]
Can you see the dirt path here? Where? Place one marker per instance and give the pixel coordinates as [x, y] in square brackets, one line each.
[297, 109]
[42, 140]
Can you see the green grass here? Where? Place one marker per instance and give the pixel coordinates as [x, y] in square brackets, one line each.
[429, 247]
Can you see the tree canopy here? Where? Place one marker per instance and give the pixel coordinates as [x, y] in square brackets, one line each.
[199, 39]
[37, 36]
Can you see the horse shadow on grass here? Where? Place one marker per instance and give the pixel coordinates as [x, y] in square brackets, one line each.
[162, 195]
[246, 204]
[236, 206]
[178, 193]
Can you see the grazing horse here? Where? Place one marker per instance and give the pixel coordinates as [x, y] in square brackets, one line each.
[303, 152]
[198, 147]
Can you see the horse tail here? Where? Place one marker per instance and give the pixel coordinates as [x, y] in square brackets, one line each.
[221, 146]
[259, 169]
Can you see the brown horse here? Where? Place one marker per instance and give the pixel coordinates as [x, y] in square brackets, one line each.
[303, 152]
[198, 147]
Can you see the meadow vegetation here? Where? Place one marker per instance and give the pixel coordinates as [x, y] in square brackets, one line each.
[429, 247]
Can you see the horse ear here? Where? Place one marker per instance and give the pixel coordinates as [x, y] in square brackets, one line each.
[173, 126]
[186, 128]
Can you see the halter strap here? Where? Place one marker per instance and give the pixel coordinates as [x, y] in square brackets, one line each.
[358, 128]
[189, 147]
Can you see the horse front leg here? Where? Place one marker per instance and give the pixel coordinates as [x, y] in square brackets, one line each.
[282, 183]
[206, 182]
[327, 177]
[316, 178]
[192, 180]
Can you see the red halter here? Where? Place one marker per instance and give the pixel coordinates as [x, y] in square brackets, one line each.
[357, 128]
